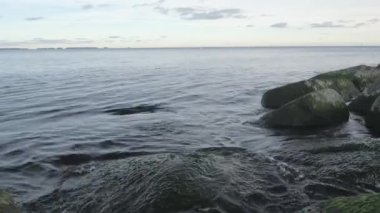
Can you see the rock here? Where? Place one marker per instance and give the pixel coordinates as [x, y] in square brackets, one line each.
[373, 89]
[317, 109]
[7, 205]
[362, 104]
[362, 76]
[347, 82]
[373, 117]
[362, 204]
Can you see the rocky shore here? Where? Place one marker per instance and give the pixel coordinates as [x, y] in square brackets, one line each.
[326, 99]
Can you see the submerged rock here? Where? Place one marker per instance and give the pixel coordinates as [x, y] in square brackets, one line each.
[347, 82]
[225, 180]
[7, 204]
[134, 110]
[359, 204]
[316, 109]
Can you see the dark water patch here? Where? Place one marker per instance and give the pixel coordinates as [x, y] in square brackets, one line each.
[135, 110]
[106, 144]
[349, 147]
[80, 158]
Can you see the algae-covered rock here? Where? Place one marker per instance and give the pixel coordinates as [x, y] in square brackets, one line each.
[362, 76]
[7, 204]
[360, 204]
[347, 82]
[224, 180]
[317, 109]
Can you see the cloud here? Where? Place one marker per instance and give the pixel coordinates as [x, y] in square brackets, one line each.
[44, 41]
[162, 10]
[327, 24]
[154, 4]
[87, 6]
[114, 37]
[357, 25]
[190, 13]
[249, 25]
[344, 24]
[280, 25]
[373, 21]
[92, 6]
[104, 5]
[37, 18]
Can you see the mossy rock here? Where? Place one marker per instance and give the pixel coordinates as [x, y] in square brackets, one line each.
[7, 204]
[347, 82]
[362, 76]
[317, 109]
[360, 204]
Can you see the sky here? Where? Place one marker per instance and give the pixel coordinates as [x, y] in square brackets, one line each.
[188, 23]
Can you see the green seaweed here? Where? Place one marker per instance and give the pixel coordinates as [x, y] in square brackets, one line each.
[359, 204]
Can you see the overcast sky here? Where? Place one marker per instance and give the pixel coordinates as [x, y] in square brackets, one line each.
[188, 23]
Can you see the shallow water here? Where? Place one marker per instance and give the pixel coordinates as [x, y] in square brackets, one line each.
[92, 110]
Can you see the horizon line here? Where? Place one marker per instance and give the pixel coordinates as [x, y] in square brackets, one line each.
[196, 47]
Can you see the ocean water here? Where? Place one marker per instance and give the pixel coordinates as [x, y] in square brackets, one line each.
[91, 110]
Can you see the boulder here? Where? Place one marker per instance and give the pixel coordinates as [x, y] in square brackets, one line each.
[7, 205]
[316, 109]
[277, 97]
[347, 82]
[373, 117]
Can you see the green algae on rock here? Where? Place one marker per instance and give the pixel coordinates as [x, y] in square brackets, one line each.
[359, 204]
[7, 204]
[347, 82]
[316, 109]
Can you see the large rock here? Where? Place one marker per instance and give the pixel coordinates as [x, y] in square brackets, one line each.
[373, 117]
[7, 205]
[320, 108]
[347, 82]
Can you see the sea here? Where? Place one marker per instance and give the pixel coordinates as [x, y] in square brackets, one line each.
[173, 130]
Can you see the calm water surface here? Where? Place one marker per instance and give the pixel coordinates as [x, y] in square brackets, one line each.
[54, 105]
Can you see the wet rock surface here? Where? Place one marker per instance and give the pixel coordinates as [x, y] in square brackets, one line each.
[347, 82]
[316, 109]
